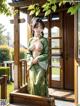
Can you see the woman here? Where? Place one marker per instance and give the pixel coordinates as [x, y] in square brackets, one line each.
[37, 60]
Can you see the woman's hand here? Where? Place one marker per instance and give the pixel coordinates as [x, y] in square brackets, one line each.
[35, 60]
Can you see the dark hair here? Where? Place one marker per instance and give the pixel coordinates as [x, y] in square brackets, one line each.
[36, 21]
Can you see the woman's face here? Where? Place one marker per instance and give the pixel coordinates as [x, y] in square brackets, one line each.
[38, 30]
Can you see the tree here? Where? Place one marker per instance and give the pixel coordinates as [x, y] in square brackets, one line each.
[4, 7]
[2, 29]
[3, 39]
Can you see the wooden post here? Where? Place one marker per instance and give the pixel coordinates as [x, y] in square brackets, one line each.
[49, 45]
[20, 69]
[4, 87]
[16, 49]
[75, 58]
[29, 32]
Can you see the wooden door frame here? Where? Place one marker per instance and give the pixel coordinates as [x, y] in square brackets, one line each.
[76, 61]
[60, 85]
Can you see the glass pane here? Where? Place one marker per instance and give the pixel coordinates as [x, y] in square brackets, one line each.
[55, 16]
[55, 61]
[56, 51]
[56, 74]
[55, 31]
[55, 43]
[79, 33]
[45, 31]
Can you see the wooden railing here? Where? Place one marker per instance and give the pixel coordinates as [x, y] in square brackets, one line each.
[3, 84]
[23, 72]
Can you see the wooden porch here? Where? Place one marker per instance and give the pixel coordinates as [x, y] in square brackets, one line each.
[20, 97]
[58, 88]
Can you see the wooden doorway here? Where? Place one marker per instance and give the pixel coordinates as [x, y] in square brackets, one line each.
[60, 32]
[56, 51]
[62, 51]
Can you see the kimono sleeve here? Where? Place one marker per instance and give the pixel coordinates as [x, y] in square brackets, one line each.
[43, 58]
[29, 57]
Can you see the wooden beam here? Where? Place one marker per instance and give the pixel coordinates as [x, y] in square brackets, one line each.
[27, 3]
[22, 97]
[19, 21]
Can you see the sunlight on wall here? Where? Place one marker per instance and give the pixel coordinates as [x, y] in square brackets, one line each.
[23, 30]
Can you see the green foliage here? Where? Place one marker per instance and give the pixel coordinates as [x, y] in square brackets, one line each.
[22, 53]
[4, 7]
[4, 54]
[34, 9]
[3, 39]
[72, 10]
[10, 88]
[51, 6]
[62, 2]
[5, 71]
[2, 29]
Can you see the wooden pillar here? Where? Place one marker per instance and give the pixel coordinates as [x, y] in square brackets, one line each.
[29, 32]
[16, 48]
[4, 87]
[75, 58]
[49, 45]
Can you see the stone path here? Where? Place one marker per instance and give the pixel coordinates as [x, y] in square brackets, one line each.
[63, 103]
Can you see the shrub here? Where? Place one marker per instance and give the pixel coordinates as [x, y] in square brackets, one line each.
[5, 71]
[22, 53]
[5, 54]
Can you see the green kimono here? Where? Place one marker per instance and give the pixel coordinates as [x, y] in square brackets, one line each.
[38, 81]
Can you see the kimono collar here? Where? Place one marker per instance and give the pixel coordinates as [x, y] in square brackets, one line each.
[38, 37]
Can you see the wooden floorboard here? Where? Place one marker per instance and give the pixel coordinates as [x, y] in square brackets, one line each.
[62, 94]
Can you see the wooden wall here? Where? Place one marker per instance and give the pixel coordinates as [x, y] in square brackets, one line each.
[68, 26]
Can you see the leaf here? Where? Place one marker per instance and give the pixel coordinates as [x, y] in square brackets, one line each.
[48, 0]
[60, 2]
[47, 12]
[31, 7]
[53, 1]
[64, 2]
[37, 12]
[54, 8]
[73, 9]
[32, 12]
[46, 4]
[46, 7]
